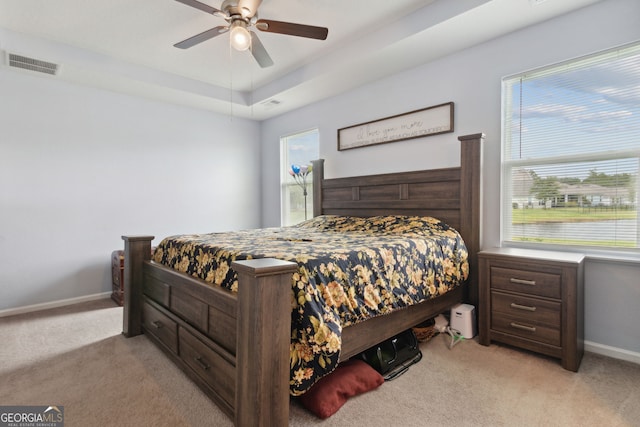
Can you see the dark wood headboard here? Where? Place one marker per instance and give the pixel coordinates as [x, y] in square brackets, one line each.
[452, 195]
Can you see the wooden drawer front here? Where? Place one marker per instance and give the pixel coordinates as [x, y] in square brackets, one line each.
[528, 282]
[532, 330]
[160, 326]
[209, 365]
[157, 290]
[191, 309]
[527, 309]
[222, 329]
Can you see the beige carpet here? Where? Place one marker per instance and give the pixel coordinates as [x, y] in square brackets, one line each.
[75, 357]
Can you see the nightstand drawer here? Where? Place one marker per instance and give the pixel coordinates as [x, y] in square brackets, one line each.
[527, 282]
[532, 330]
[527, 309]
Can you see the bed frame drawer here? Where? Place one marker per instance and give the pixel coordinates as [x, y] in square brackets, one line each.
[160, 326]
[222, 328]
[157, 290]
[191, 309]
[208, 364]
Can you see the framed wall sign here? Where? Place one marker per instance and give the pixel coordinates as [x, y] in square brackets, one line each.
[415, 124]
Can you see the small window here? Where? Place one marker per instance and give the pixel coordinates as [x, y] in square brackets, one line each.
[571, 153]
[297, 150]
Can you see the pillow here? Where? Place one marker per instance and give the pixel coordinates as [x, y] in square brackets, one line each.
[349, 379]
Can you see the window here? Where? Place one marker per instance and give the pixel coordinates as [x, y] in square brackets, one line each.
[298, 149]
[571, 153]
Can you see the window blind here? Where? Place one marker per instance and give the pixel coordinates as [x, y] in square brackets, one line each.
[571, 152]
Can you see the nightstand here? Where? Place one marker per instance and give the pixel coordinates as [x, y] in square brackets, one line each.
[117, 279]
[533, 300]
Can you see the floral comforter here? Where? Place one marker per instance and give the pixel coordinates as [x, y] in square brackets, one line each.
[349, 269]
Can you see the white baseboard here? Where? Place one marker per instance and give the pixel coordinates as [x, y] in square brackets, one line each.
[53, 304]
[614, 352]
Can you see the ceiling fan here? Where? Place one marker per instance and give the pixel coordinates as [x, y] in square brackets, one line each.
[241, 15]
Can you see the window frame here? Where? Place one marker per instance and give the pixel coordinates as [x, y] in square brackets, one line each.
[286, 181]
[507, 165]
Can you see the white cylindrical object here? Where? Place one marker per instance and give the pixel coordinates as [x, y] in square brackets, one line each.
[463, 320]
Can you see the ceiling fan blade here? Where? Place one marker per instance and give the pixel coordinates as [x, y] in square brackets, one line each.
[259, 52]
[199, 38]
[288, 28]
[204, 7]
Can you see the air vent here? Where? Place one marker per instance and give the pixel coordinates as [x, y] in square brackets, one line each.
[31, 64]
[270, 103]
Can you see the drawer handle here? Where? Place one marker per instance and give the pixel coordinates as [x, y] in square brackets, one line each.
[157, 324]
[522, 307]
[202, 363]
[523, 282]
[523, 327]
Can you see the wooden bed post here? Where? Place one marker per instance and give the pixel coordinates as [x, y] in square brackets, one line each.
[137, 249]
[263, 337]
[471, 206]
[318, 177]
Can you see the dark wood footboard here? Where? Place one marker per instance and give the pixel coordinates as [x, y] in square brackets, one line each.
[235, 347]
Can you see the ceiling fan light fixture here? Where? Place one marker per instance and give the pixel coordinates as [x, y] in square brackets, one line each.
[240, 37]
[241, 15]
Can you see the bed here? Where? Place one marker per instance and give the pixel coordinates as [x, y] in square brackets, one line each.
[235, 343]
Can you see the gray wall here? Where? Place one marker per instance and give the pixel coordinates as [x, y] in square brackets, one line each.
[472, 79]
[80, 167]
